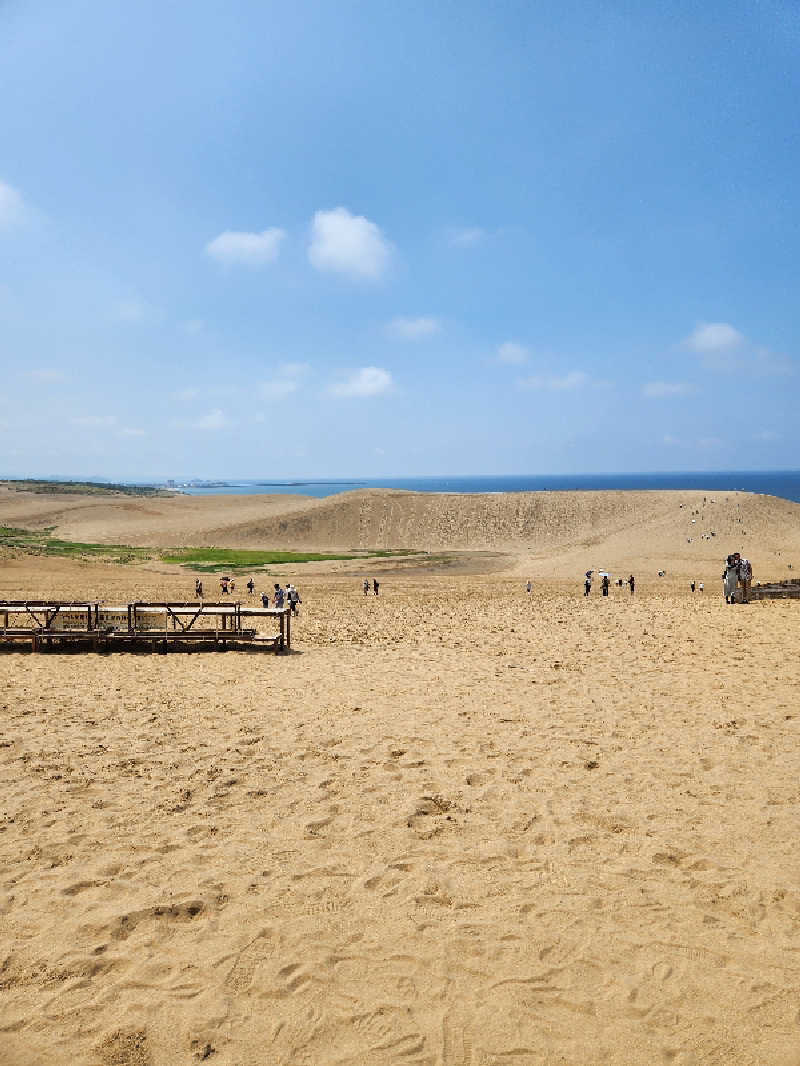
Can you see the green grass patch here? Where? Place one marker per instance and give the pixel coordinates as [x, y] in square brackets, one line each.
[206, 560]
[40, 542]
[202, 560]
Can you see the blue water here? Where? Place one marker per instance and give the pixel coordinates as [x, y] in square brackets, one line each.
[785, 483]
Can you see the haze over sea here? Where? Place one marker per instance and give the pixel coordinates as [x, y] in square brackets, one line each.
[784, 483]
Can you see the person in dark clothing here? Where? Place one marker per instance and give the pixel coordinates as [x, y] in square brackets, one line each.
[605, 584]
[375, 585]
[198, 589]
[632, 583]
[251, 586]
[265, 599]
[587, 586]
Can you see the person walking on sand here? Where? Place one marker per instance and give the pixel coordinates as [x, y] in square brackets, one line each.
[251, 586]
[278, 595]
[366, 586]
[730, 578]
[605, 584]
[528, 587]
[587, 586]
[265, 599]
[745, 574]
[198, 589]
[294, 598]
[223, 586]
[632, 583]
[375, 585]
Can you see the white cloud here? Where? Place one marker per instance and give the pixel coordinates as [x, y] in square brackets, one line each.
[575, 379]
[213, 420]
[466, 236]
[348, 244]
[131, 431]
[368, 381]
[721, 347]
[714, 337]
[13, 211]
[656, 389]
[249, 249]
[95, 421]
[512, 353]
[414, 329]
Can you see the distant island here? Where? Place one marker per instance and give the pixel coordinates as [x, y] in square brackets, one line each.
[82, 488]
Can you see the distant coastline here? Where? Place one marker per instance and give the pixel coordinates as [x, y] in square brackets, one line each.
[783, 483]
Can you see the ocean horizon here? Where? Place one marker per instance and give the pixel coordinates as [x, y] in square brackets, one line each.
[783, 483]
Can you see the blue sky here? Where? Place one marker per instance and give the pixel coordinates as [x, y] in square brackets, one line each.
[366, 239]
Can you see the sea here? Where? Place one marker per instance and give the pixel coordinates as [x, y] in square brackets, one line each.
[785, 483]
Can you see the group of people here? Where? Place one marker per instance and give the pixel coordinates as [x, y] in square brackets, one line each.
[288, 596]
[605, 583]
[375, 586]
[737, 573]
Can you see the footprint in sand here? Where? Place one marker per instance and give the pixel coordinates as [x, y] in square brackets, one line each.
[240, 975]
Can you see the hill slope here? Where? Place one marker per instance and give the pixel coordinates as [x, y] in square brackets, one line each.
[550, 531]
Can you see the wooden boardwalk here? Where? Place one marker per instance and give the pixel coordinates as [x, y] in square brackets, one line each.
[778, 590]
[46, 625]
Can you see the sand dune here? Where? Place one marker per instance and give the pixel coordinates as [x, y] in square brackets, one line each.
[460, 826]
[552, 533]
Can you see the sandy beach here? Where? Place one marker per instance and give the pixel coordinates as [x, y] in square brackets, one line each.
[459, 825]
